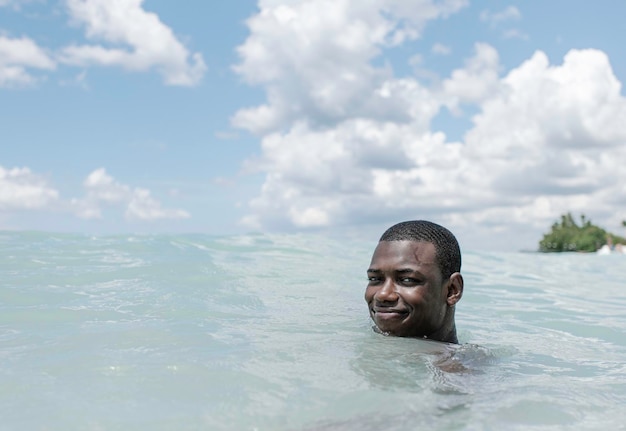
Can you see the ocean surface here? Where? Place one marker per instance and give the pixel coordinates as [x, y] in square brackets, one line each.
[271, 332]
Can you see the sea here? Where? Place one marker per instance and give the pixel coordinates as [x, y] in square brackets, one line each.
[271, 332]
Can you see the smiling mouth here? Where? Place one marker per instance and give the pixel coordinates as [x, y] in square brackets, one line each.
[389, 313]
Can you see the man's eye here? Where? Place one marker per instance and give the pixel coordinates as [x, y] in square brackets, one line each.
[409, 280]
[373, 279]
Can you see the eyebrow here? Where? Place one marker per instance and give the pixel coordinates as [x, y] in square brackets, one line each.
[400, 271]
[406, 270]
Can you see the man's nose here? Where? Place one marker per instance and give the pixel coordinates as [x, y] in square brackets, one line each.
[387, 292]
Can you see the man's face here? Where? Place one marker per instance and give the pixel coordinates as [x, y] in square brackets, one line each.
[405, 293]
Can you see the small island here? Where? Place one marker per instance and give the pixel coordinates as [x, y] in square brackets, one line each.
[567, 235]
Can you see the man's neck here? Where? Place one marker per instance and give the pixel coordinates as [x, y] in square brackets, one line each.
[447, 334]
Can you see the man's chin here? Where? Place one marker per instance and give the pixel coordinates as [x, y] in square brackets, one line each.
[387, 329]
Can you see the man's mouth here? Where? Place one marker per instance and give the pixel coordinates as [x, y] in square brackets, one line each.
[383, 313]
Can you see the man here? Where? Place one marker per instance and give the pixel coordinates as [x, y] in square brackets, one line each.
[414, 281]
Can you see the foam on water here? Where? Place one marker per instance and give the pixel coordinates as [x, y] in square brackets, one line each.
[272, 333]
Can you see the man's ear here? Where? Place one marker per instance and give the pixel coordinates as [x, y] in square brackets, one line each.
[455, 288]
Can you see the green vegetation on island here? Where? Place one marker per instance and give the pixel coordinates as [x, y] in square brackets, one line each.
[567, 235]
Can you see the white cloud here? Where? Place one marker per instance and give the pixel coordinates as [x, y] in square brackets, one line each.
[514, 33]
[17, 56]
[503, 18]
[359, 170]
[441, 49]
[507, 14]
[142, 206]
[345, 142]
[23, 190]
[313, 57]
[103, 189]
[142, 41]
[479, 78]
[20, 189]
[556, 130]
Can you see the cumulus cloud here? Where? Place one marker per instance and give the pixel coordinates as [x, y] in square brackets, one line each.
[551, 143]
[314, 59]
[142, 206]
[555, 131]
[20, 189]
[360, 170]
[478, 80]
[103, 189]
[545, 139]
[23, 190]
[17, 57]
[133, 38]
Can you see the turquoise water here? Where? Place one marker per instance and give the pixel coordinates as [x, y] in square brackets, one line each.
[264, 332]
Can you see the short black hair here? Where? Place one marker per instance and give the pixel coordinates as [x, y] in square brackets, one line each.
[447, 250]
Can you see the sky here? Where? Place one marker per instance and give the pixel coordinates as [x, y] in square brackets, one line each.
[335, 117]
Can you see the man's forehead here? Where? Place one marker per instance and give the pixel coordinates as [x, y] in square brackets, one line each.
[416, 252]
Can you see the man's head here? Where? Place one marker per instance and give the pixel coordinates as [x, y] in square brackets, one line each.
[414, 281]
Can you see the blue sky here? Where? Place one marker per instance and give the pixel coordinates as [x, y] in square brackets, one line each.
[492, 118]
